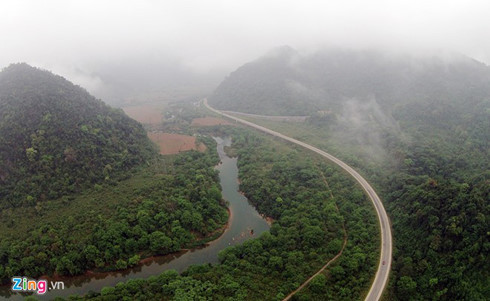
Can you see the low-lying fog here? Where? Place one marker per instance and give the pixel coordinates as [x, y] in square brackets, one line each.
[123, 49]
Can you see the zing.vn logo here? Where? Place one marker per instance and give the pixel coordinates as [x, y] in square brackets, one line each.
[22, 284]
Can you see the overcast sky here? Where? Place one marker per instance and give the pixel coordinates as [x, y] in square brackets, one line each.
[64, 35]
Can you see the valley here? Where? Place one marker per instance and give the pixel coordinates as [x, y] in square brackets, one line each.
[384, 264]
[164, 209]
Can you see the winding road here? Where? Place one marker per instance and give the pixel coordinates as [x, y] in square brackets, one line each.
[384, 265]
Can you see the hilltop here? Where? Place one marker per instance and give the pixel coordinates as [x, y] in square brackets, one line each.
[284, 82]
[55, 138]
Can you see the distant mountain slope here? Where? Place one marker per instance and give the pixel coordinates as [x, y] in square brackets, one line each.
[55, 138]
[286, 83]
[419, 128]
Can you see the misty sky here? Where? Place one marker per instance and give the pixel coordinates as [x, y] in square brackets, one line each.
[71, 37]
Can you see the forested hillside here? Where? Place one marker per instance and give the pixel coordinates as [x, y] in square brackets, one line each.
[311, 202]
[420, 131]
[284, 82]
[173, 204]
[56, 139]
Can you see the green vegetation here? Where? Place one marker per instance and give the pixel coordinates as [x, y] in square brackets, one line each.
[417, 128]
[302, 193]
[82, 187]
[434, 181]
[56, 139]
[173, 204]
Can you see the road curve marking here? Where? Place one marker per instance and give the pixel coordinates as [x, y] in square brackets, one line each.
[385, 258]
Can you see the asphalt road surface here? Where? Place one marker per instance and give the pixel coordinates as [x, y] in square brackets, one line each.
[384, 265]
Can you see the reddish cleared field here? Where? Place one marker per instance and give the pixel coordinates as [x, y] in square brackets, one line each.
[174, 143]
[209, 121]
[146, 114]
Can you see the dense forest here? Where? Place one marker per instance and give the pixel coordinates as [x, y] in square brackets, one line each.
[174, 204]
[421, 137]
[311, 202]
[82, 187]
[56, 139]
[88, 191]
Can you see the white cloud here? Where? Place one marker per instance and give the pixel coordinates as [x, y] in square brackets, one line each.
[215, 34]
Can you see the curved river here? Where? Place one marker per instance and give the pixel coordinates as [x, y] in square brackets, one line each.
[244, 218]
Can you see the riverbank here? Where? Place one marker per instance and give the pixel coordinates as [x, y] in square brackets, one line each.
[242, 219]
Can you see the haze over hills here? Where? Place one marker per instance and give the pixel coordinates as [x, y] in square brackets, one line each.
[417, 127]
[283, 82]
[364, 96]
[424, 121]
[82, 187]
[55, 138]
[146, 80]
[398, 90]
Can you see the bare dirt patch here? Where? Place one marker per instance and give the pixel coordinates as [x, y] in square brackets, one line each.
[146, 114]
[209, 121]
[174, 143]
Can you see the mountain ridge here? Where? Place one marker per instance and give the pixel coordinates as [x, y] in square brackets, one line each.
[287, 83]
[56, 138]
